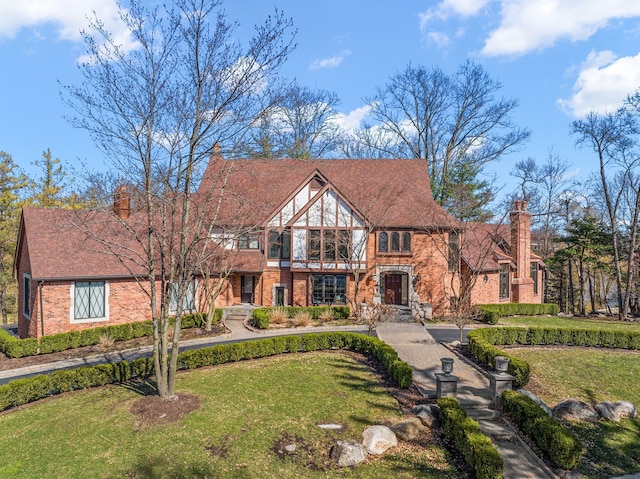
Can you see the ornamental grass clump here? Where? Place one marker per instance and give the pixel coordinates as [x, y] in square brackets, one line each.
[278, 316]
[301, 319]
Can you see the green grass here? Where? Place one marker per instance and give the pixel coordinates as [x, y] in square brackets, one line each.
[592, 375]
[558, 322]
[245, 408]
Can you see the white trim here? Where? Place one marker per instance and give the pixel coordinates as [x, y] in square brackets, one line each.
[72, 319]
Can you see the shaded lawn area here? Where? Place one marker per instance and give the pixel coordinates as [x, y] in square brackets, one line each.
[559, 322]
[247, 411]
[592, 375]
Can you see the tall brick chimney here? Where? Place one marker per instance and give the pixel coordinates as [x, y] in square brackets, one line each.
[522, 284]
[122, 202]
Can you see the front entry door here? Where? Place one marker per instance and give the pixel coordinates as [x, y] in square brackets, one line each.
[393, 289]
[246, 289]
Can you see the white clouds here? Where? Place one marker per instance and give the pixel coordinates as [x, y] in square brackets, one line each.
[331, 62]
[68, 17]
[352, 120]
[603, 83]
[448, 8]
[534, 25]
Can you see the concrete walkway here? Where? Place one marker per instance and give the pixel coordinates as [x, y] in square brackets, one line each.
[418, 348]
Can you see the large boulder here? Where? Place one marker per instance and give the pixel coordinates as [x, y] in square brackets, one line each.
[429, 414]
[409, 429]
[377, 439]
[347, 453]
[574, 410]
[615, 411]
[536, 400]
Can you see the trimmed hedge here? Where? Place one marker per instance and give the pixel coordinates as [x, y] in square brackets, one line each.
[490, 313]
[17, 348]
[260, 316]
[483, 341]
[22, 391]
[477, 449]
[559, 444]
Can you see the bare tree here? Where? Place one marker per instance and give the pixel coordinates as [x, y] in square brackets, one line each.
[157, 111]
[457, 123]
[612, 137]
[300, 124]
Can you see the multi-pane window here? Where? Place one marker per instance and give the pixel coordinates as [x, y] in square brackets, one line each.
[313, 245]
[189, 301]
[534, 277]
[89, 300]
[248, 241]
[329, 245]
[279, 244]
[454, 251]
[329, 288]
[344, 245]
[26, 296]
[394, 242]
[504, 281]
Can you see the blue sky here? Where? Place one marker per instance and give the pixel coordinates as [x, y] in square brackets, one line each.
[559, 58]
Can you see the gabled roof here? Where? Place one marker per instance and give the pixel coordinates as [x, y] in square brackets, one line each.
[60, 244]
[486, 246]
[389, 193]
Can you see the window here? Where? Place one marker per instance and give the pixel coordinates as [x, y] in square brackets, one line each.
[285, 252]
[89, 300]
[329, 246]
[395, 242]
[534, 277]
[406, 242]
[329, 288]
[26, 296]
[274, 245]
[188, 304]
[248, 241]
[383, 242]
[454, 251]
[344, 245]
[504, 281]
[313, 246]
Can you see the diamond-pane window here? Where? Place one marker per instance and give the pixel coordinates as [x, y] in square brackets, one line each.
[88, 300]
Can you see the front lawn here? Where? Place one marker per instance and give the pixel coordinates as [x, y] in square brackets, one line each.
[248, 411]
[562, 322]
[592, 375]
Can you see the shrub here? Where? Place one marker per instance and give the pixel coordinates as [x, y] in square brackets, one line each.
[105, 340]
[560, 445]
[15, 347]
[301, 319]
[492, 312]
[326, 316]
[260, 318]
[465, 434]
[278, 315]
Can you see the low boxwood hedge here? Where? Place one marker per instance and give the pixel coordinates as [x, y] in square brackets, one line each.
[483, 341]
[559, 444]
[260, 316]
[17, 348]
[22, 391]
[491, 313]
[477, 449]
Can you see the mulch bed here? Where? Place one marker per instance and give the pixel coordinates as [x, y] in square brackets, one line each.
[154, 411]
[191, 333]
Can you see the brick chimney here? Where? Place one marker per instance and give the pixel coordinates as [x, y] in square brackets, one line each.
[522, 284]
[122, 202]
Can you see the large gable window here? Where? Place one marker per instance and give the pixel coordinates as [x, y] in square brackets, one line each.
[89, 300]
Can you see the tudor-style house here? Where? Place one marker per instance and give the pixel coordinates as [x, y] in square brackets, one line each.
[293, 232]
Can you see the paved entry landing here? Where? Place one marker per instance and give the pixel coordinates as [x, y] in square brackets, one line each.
[417, 347]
